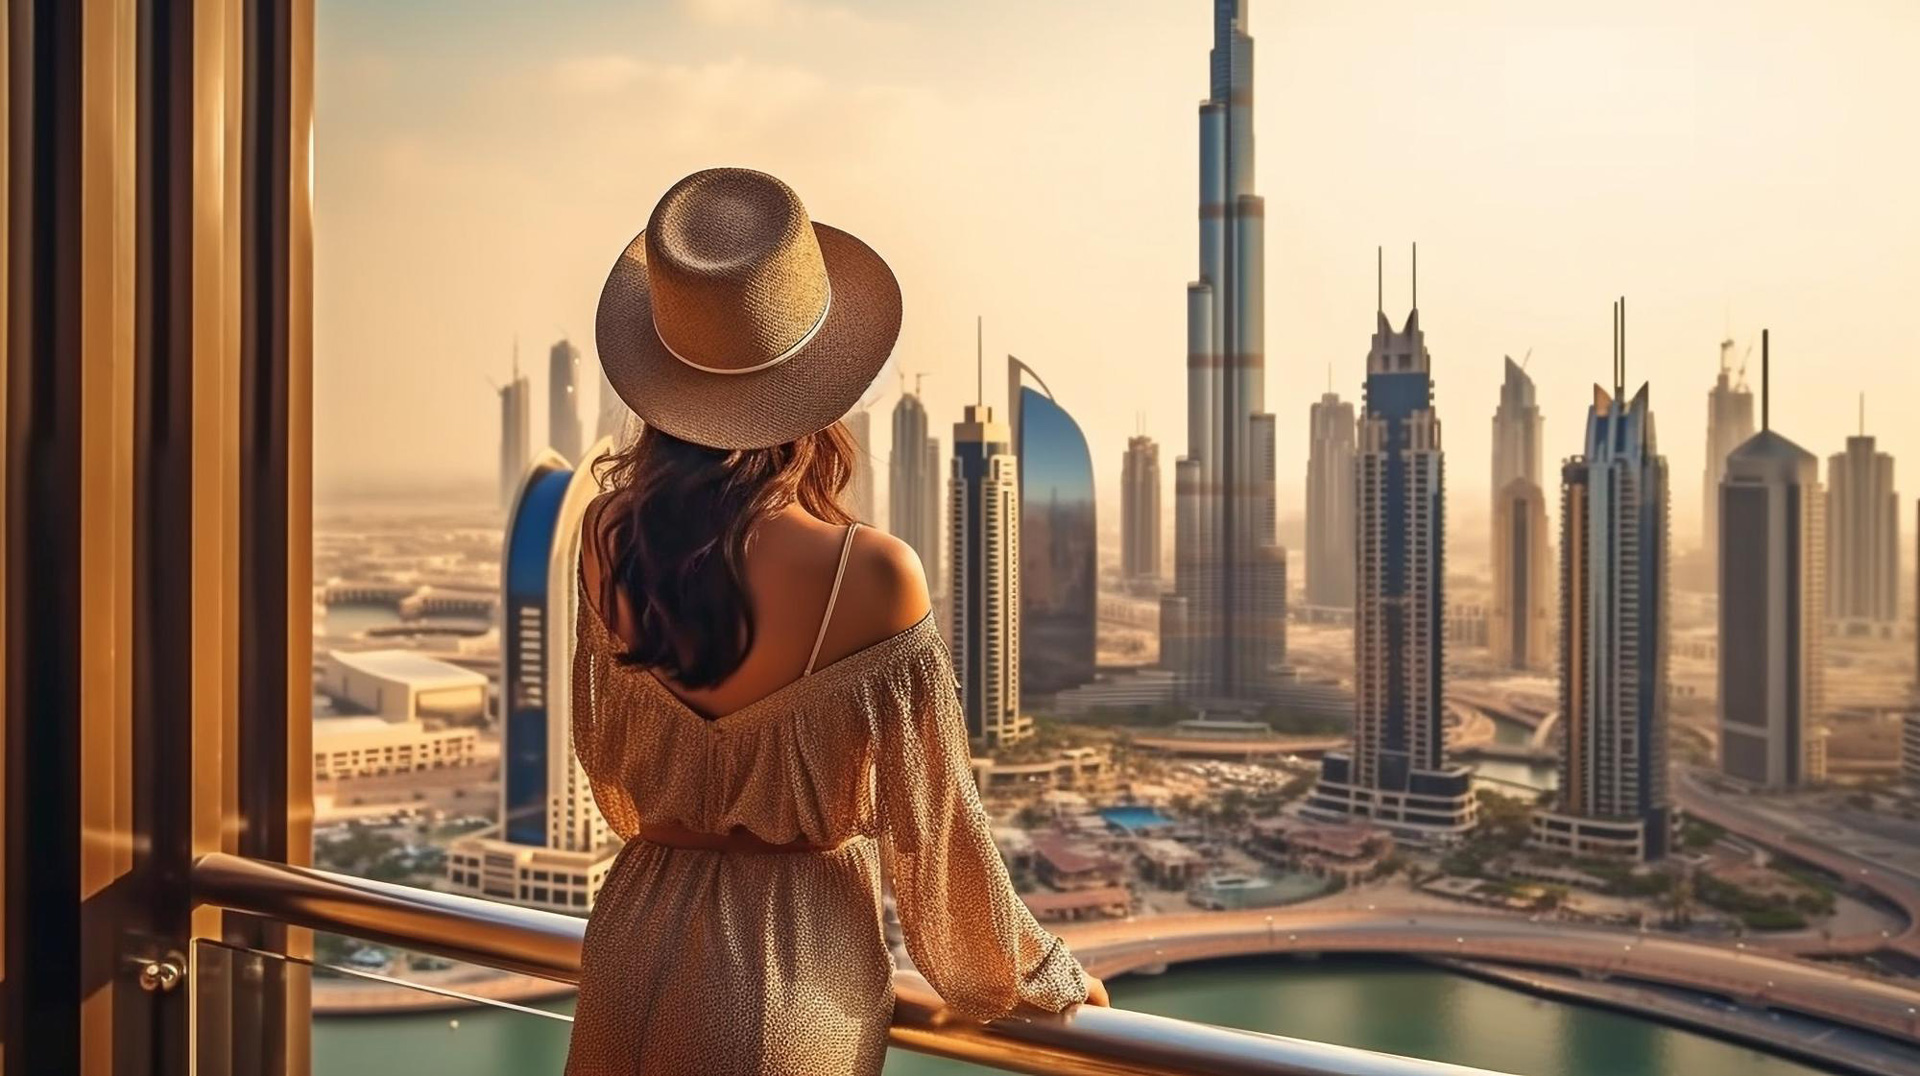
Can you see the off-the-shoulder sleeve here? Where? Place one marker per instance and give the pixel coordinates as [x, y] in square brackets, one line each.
[967, 930]
[588, 674]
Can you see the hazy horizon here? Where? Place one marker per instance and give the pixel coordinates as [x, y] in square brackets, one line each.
[477, 172]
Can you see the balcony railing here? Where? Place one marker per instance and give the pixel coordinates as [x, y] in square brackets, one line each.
[1085, 1042]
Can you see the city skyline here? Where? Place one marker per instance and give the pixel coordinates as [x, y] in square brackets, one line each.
[1531, 124]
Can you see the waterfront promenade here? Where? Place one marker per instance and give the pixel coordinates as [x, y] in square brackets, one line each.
[1750, 976]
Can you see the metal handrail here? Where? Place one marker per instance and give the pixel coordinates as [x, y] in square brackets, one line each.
[1086, 1041]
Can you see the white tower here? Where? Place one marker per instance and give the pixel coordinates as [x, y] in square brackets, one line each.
[983, 551]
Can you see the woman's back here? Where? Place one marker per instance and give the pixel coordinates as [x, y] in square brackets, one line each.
[798, 594]
[760, 700]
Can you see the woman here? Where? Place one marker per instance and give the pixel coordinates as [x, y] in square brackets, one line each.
[761, 700]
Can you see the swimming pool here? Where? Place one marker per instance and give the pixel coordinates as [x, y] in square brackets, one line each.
[1134, 819]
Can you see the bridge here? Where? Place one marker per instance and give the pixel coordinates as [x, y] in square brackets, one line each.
[1767, 980]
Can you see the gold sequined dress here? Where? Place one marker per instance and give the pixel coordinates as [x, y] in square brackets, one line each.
[775, 964]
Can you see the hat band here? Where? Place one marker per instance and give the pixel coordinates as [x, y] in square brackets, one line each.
[798, 345]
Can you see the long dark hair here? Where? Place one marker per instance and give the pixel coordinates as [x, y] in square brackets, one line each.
[672, 536]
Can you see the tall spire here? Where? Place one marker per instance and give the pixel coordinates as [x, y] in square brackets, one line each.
[1766, 382]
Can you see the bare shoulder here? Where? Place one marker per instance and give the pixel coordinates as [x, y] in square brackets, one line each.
[885, 590]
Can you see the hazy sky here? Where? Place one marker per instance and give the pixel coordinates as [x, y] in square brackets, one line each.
[1726, 166]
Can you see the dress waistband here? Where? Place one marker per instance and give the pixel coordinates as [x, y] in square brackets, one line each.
[741, 840]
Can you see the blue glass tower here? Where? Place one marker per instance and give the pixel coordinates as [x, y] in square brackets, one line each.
[1613, 634]
[1395, 772]
[531, 531]
[1059, 561]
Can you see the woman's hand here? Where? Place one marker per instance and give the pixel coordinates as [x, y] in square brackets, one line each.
[1096, 992]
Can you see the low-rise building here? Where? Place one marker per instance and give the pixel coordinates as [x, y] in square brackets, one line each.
[1108, 901]
[368, 746]
[402, 685]
[1580, 835]
[1084, 770]
[528, 875]
[1168, 863]
[1068, 864]
[1134, 689]
[395, 711]
[1327, 850]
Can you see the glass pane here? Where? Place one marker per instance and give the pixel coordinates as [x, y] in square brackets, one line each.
[387, 1012]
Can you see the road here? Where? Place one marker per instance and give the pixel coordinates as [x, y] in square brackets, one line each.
[1894, 885]
[1829, 992]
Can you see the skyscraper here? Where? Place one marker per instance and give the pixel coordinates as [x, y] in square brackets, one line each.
[1516, 431]
[1140, 510]
[515, 431]
[1518, 548]
[1223, 484]
[1330, 547]
[1613, 634]
[554, 847]
[1522, 577]
[913, 485]
[1863, 533]
[983, 582]
[1772, 609]
[1059, 554]
[1729, 424]
[1395, 771]
[563, 400]
[859, 493]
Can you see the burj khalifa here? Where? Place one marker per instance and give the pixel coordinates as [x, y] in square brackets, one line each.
[1224, 625]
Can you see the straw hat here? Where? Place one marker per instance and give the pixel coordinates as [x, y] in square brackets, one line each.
[735, 322]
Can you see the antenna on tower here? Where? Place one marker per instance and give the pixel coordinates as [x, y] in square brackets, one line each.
[1524, 359]
[918, 377]
[516, 356]
[1766, 386]
[1620, 371]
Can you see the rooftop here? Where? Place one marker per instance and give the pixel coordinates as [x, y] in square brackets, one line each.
[414, 669]
[1068, 857]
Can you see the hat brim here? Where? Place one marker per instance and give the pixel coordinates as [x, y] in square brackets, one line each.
[805, 394]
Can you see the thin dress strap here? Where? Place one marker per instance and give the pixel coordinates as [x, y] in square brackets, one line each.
[826, 618]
